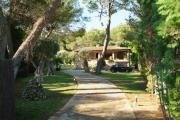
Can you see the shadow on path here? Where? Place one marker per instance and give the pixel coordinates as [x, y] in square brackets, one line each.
[96, 99]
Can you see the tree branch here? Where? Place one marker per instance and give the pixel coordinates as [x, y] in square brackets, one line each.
[30, 41]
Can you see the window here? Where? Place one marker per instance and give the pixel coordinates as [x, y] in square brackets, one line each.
[108, 55]
[97, 55]
[122, 55]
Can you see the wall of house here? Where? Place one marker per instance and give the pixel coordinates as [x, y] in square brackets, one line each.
[119, 57]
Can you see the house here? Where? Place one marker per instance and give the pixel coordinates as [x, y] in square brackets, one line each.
[118, 55]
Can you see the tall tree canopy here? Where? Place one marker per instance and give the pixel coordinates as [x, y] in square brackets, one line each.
[28, 18]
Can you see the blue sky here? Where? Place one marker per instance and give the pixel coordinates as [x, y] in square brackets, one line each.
[117, 19]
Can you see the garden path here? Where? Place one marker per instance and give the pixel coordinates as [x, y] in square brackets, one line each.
[96, 99]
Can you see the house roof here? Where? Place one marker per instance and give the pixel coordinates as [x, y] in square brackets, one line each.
[112, 48]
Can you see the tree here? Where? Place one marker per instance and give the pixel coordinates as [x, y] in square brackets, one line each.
[22, 14]
[156, 46]
[93, 38]
[170, 9]
[145, 35]
[168, 70]
[43, 53]
[31, 39]
[63, 55]
[84, 54]
[5, 35]
[105, 8]
[41, 56]
[69, 37]
[118, 35]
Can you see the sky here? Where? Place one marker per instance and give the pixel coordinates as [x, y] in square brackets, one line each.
[117, 18]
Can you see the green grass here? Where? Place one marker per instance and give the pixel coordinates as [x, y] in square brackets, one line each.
[127, 82]
[58, 88]
[67, 67]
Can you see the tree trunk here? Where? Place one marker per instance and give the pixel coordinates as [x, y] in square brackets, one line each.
[5, 37]
[31, 39]
[9, 47]
[85, 65]
[38, 74]
[50, 66]
[7, 96]
[1, 11]
[106, 42]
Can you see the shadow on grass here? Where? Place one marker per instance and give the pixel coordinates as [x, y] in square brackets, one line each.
[132, 86]
[127, 82]
[121, 75]
[42, 109]
[130, 92]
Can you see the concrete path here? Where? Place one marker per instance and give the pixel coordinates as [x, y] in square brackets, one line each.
[96, 99]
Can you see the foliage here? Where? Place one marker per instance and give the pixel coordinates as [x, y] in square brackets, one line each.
[66, 57]
[22, 14]
[84, 53]
[118, 36]
[110, 60]
[26, 12]
[134, 59]
[154, 35]
[92, 38]
[170, 9]
[92, 67]
[33, 91]
[45, 49]
[101, 6]
[68, 39]
[57, 61]
[62, 55]
[167, 82]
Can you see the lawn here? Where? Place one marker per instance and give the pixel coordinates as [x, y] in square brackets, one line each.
[68, 67]
[127, 82]
[58, 88]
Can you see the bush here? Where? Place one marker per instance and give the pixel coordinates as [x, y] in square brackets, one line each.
[110, 60]
[92, 68]
[66, 57]
[33, 91]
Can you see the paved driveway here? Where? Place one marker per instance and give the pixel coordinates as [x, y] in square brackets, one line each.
[96, 99]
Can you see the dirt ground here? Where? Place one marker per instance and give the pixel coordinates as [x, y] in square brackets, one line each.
[145, 106]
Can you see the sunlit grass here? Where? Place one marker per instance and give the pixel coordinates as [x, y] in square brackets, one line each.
[67, 67]
[127, 82]
[58, 88]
